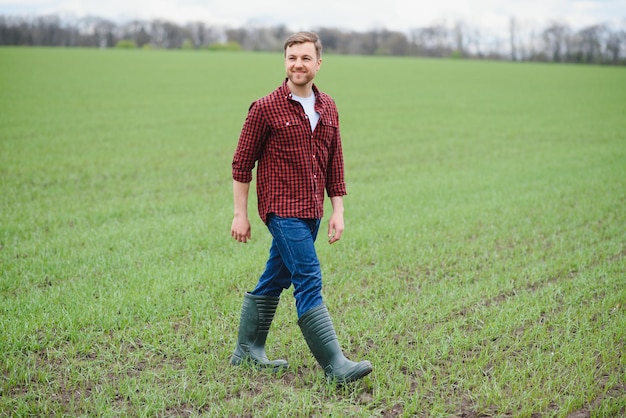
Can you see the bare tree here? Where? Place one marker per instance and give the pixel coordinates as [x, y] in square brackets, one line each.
[48, 31]
[104, 33]
[14, 31]
[331, 39]
[555, 39]
[460, 36]
[615, 42]
[513, 37]
[166, 34]
[432, 41]
[474, 42]
[137, 31]
[385, 42]
[589, 45]
[598, 44]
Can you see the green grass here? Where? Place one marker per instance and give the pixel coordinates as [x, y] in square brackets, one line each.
[482, 270]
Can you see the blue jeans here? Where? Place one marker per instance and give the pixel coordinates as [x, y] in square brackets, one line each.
[293, 260]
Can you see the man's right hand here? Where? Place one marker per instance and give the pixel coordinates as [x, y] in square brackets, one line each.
[241, 229]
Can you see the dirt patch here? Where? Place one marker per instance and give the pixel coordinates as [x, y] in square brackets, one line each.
[395, 411]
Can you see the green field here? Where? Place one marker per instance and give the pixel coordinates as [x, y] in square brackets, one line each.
[482, 270]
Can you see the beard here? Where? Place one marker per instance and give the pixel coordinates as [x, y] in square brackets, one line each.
[300, 79]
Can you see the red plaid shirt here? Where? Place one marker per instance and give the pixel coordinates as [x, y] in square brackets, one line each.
[295, 165]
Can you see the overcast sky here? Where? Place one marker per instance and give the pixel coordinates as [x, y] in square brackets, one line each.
[357, 15]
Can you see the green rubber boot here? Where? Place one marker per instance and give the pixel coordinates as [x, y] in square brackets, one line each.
[320, 336]
[257, 314]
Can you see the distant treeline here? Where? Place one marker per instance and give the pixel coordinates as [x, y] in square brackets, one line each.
[557, 42]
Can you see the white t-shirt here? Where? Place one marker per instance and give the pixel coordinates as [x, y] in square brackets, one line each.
[308, 104]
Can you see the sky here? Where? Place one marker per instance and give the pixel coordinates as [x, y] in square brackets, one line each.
[358, 15]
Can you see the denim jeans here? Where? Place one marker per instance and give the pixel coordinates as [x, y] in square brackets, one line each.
[293, 260]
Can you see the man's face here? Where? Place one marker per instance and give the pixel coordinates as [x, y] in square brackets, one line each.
[301, 63]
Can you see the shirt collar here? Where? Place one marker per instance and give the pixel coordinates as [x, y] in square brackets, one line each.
[287, 93]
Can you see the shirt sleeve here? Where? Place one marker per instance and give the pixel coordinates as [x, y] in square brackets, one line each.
[335, 176]
[251, 142]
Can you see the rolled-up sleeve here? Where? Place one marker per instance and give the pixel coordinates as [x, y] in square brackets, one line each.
[335, 177]
[251, 141]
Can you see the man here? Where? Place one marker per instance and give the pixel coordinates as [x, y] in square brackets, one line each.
[293, 134]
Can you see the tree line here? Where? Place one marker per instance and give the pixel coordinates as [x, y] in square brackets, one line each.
[557, 42]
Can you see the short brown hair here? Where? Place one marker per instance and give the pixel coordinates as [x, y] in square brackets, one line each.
[302, 37]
